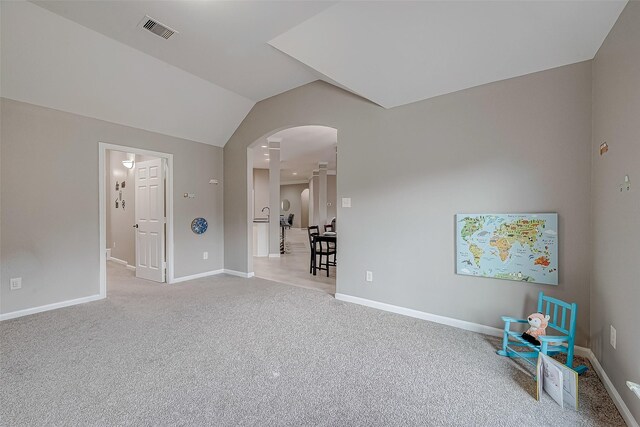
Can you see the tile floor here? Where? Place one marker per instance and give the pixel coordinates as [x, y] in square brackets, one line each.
[292, 268]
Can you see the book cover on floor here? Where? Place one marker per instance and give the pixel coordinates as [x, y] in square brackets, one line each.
[559, 381]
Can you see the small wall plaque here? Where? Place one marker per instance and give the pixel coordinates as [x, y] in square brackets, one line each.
[199, 225]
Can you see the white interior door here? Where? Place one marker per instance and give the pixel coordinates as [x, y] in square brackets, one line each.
[150, 220]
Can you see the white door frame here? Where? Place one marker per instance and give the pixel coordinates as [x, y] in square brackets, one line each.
[102, 151]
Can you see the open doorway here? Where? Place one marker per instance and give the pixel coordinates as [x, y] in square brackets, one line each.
[290, 199]
[135, 215]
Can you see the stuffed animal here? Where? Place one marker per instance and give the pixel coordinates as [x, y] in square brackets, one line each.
[537, 327]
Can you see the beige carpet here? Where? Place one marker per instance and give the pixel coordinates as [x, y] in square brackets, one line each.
[227, 351]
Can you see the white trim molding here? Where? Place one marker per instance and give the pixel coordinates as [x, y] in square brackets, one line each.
[239, 273]
[274, 255]
[489, 330]
[120, 261]
[212, 273]
[48, 307]
[196, 276]
[461, 324]
[615, 396]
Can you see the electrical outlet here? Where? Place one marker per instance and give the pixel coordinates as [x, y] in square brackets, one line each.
[114, 244]
[205, 255]
[369, 276]
[612, 337]
[16, 283]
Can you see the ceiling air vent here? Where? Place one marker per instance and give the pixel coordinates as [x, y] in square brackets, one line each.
[157, 28]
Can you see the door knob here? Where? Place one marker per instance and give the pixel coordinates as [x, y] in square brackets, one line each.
[135, 226]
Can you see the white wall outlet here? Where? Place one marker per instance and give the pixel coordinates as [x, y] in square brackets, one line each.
[612, 337]
[205, 255]
[114, 244]
[346, 202]
[369, 276]
[16, 283]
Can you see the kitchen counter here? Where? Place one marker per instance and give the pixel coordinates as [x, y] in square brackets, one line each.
[261, 237]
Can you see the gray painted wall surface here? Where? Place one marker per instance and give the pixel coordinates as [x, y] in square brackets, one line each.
[331, 197]
[49, 192]
[314, 216]
[260, 191]
[520, 145]
[120, 231]
[615, 288]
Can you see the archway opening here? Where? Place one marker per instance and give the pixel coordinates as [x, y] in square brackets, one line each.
[292, 178]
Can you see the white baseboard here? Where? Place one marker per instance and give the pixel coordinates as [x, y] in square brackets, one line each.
[274, 255]
[40, 309]
[119, 261]
[213, 273]
[489, 330]
[615, 396]
[197, 276]
[239, 273]
[462, 324]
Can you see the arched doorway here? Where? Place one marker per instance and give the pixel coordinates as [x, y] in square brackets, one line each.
[292, 182]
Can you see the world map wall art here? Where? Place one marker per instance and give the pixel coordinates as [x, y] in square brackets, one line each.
[522, 247]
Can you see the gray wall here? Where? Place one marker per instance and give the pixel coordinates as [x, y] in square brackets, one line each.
[261, 192]
[49, 192]
[331, 200]
[331, 197]
[615, 292]
[314, 211]
[304, 218]
[520, 145]
[293, 193]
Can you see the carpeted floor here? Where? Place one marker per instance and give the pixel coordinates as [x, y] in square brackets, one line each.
[231, 351]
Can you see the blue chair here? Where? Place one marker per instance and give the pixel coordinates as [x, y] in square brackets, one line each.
[561, 341]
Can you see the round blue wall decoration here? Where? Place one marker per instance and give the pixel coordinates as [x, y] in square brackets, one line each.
[199, 225]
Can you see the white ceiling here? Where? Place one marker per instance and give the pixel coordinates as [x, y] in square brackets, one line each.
[395, 53]
[50, 61]
[224, 42]
[301, 149]
[91, 57]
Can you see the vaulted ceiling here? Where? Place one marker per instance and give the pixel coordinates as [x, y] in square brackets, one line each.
[93, 58]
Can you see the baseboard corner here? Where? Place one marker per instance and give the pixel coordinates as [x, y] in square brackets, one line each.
[239, 273]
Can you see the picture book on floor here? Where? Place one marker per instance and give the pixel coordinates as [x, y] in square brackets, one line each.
[559, 381]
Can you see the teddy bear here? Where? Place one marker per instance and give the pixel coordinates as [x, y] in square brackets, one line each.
[538, 323]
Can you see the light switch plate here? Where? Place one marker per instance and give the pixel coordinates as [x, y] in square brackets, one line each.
[346, 202]
[16, 283]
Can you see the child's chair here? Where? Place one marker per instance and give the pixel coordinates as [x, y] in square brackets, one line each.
[549, 344]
